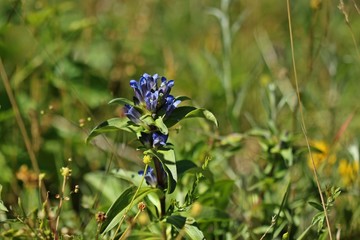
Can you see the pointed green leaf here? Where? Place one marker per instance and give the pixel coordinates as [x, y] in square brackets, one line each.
[121, 101]
[177, 221]
[316, 205]
[116, 211]
[186, 224]
[185, 165]
[185, 112]
[177, 115]
[111, 125]
[182, 98]
[210, 116]
[161, 126]
[193, 232]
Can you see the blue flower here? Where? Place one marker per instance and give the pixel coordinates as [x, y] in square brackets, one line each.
[153, 140]
[132, 114]
[150, 176]
[159, 139]
[151, 100]
[166, 86]
[170, 104]
[145, 85]
[154, 97]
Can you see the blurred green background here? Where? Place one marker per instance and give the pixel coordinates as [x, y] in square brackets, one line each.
[66, 59]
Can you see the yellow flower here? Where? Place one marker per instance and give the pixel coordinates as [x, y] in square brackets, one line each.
[147, 159]
[321, 157]
[65, 171]
[348, 171]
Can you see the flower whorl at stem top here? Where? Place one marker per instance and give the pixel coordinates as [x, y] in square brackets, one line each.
[151, 98]
[154, 96]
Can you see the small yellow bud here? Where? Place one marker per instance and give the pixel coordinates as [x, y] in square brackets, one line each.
[65, 171]
[147, 159]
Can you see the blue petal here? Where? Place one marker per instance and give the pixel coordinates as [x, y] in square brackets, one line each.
[159, 139]
[133, 84]
[170, 83]
[138, 93]
[132, 114]
[150, 176]
[151, 100]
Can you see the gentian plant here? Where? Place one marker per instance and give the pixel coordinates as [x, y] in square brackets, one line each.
[150, 114]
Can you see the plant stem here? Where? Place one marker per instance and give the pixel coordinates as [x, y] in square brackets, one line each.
[302, 122]
[161, 185]
[125, 234]
[60, 205]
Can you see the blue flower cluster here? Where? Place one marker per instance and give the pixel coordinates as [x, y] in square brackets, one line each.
[152, 97]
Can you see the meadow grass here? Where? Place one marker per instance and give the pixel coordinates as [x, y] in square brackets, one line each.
[280, 79]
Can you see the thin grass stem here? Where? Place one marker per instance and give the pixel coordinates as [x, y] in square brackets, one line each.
[302, 122]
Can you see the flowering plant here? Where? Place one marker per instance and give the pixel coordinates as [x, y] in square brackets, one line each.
[149, 115]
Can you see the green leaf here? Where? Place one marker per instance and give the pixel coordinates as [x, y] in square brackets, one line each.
[111, 125]
[182, 98]
[2, 206]
[161, 126]
[127, 175]
[316, 205]
[187, 224]
[167, 158]
[185, 165]
[116, 211]
[177, 221]
[185, 112]
[121, 101]
[193, 232]
[318, 218]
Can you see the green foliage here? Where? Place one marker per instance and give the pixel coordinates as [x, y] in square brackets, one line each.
[246, 175]
[115, 212]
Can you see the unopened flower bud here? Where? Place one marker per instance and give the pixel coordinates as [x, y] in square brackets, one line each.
[65, 171]
[141, 206]
[100, 217]
[147, 159]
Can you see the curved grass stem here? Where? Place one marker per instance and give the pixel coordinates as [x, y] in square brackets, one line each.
[302, 122]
